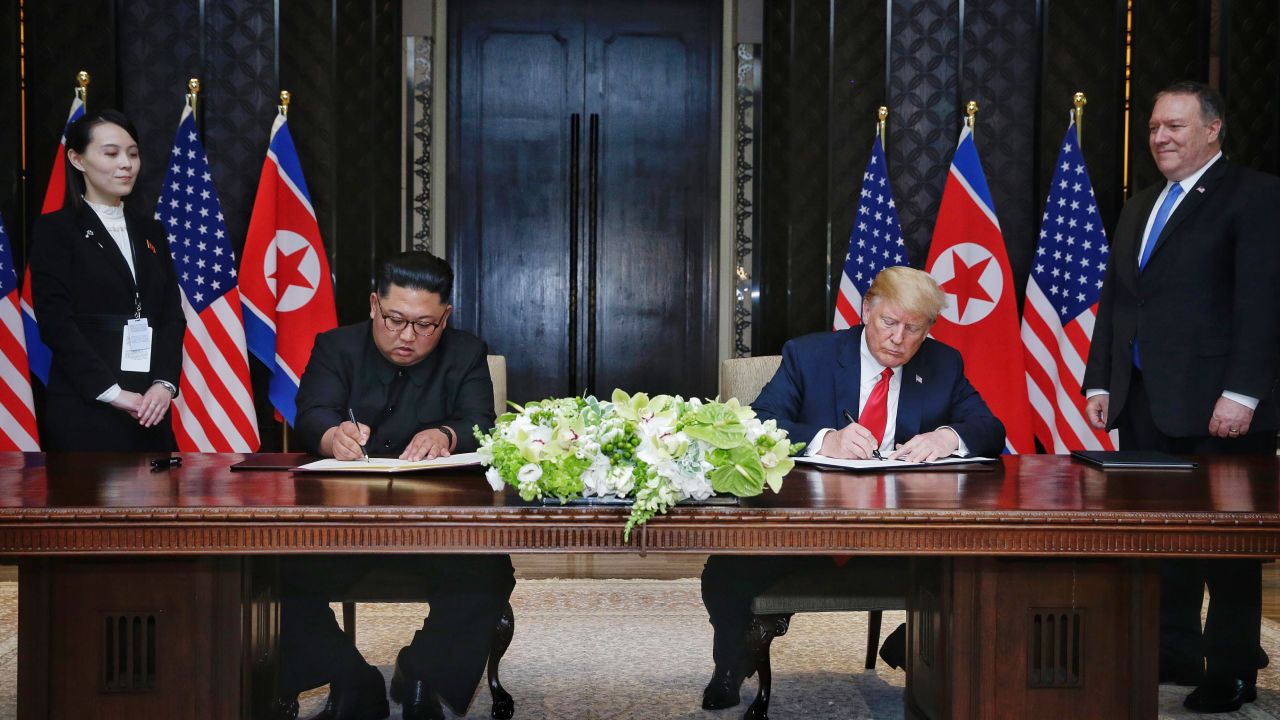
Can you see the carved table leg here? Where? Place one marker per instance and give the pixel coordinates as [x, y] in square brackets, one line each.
[764, 628]
[503, 704]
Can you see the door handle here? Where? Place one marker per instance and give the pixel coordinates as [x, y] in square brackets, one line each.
[575, 143]
[593, 207]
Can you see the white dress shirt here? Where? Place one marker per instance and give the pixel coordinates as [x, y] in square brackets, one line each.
[112, 217]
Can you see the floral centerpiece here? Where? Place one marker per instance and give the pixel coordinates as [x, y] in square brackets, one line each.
[657, 451]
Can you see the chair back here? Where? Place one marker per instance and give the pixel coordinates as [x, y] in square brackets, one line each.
[498, 374]
[744, 378]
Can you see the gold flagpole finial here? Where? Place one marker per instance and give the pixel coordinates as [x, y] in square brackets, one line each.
[285, 97]
[1079, 100]
[970, 113]
[882, 122]
[193, 85]
[82, 86]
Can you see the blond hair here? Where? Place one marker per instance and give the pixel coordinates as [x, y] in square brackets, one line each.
[915, 291]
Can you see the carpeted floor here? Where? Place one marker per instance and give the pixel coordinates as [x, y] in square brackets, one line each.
[594, 649]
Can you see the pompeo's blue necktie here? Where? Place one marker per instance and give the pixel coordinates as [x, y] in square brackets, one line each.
[1162, 217]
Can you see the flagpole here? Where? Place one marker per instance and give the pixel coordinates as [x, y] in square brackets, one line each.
[1078, 115]
[970, 113]
[283, 107]
[882, 124]
[194, 86]
[82, 86]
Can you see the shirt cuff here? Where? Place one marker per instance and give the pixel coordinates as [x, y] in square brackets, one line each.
[815, 445]
[1093, 392]
[1245, 400]
[962, 450]
[110, 394]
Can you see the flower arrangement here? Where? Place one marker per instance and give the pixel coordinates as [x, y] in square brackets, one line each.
[657, 451]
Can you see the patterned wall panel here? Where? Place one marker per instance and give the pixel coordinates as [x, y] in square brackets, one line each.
[923, 87]
[418, 201]
[857, 88]
[239, 97]
[746, 217]
[1084, 51]
[62, 39]
[1001, 72]
[385, 143]
[10, 122]
[162, 53]
[1251, 83]
[1170, 43]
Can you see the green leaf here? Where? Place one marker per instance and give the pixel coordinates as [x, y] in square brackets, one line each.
[737, 472]
[718, 426]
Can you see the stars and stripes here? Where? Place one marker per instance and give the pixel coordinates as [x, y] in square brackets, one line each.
[39, 356]
[214, 409]
[1062, 304]
[285, 281]
[17, 410]
[875, 242]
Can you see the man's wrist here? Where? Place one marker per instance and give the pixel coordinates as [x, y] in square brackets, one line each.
[449, 436]
[173, 390]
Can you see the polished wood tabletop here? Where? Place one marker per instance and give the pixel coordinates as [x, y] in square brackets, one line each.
[53, 504]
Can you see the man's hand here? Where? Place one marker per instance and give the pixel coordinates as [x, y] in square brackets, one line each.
[153, 405]
[1096, 409]
[343, 442]
[850, 442]
[427, 445]
[1230, 419]
[129, 402]
[928, 446]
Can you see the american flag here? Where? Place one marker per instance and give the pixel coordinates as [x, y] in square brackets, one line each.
[214, 409]
[875, 242]
[17, 411]
[1062, 304]
[39, 356]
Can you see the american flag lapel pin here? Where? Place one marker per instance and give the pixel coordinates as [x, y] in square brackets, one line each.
[151, 247]
[1200, 189]
[919, 379]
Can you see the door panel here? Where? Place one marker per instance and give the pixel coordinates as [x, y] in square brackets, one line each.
[519, 80]
[628, 299]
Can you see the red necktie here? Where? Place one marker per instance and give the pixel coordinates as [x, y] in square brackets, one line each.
[875, 414]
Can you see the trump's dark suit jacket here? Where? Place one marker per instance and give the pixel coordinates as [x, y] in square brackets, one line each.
[83, 294]
[820, 375]
[1205, 308]
[450, 386]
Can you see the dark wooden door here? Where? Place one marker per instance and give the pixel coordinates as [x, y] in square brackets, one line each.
[583, 191]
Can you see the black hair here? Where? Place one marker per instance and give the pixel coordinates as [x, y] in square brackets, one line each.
[416, 271]
[1212, 106]
[79, 135]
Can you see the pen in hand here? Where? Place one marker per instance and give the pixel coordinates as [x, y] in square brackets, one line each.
[875, 452]
[352, 415]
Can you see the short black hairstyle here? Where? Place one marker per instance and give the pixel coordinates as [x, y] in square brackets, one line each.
[79, 135]
[1212, 106]
[416, 270]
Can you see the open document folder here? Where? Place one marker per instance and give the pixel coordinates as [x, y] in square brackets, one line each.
[890, 465]
[388, 465]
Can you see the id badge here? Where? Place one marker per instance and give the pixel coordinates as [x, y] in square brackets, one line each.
[135, 351]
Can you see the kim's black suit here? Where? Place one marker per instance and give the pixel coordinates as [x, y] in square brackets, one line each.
[1206, 315]
[467, 594]
[84, 294]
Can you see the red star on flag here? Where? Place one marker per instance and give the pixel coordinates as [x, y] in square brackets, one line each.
[288, 273]
[965, 284]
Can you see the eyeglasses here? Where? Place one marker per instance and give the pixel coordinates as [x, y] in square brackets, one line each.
[396, 324]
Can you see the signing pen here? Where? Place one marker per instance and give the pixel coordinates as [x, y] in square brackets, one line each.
[352, 414]
[874, 453]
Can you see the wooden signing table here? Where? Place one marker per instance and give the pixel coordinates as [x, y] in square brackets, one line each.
[153, 594]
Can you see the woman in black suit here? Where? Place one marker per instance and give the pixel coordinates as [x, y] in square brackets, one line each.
[101, 275]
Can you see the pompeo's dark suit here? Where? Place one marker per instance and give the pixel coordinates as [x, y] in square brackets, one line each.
[84, 294]
[1205, 313]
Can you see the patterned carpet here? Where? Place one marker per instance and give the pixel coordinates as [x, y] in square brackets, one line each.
[595, 649]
